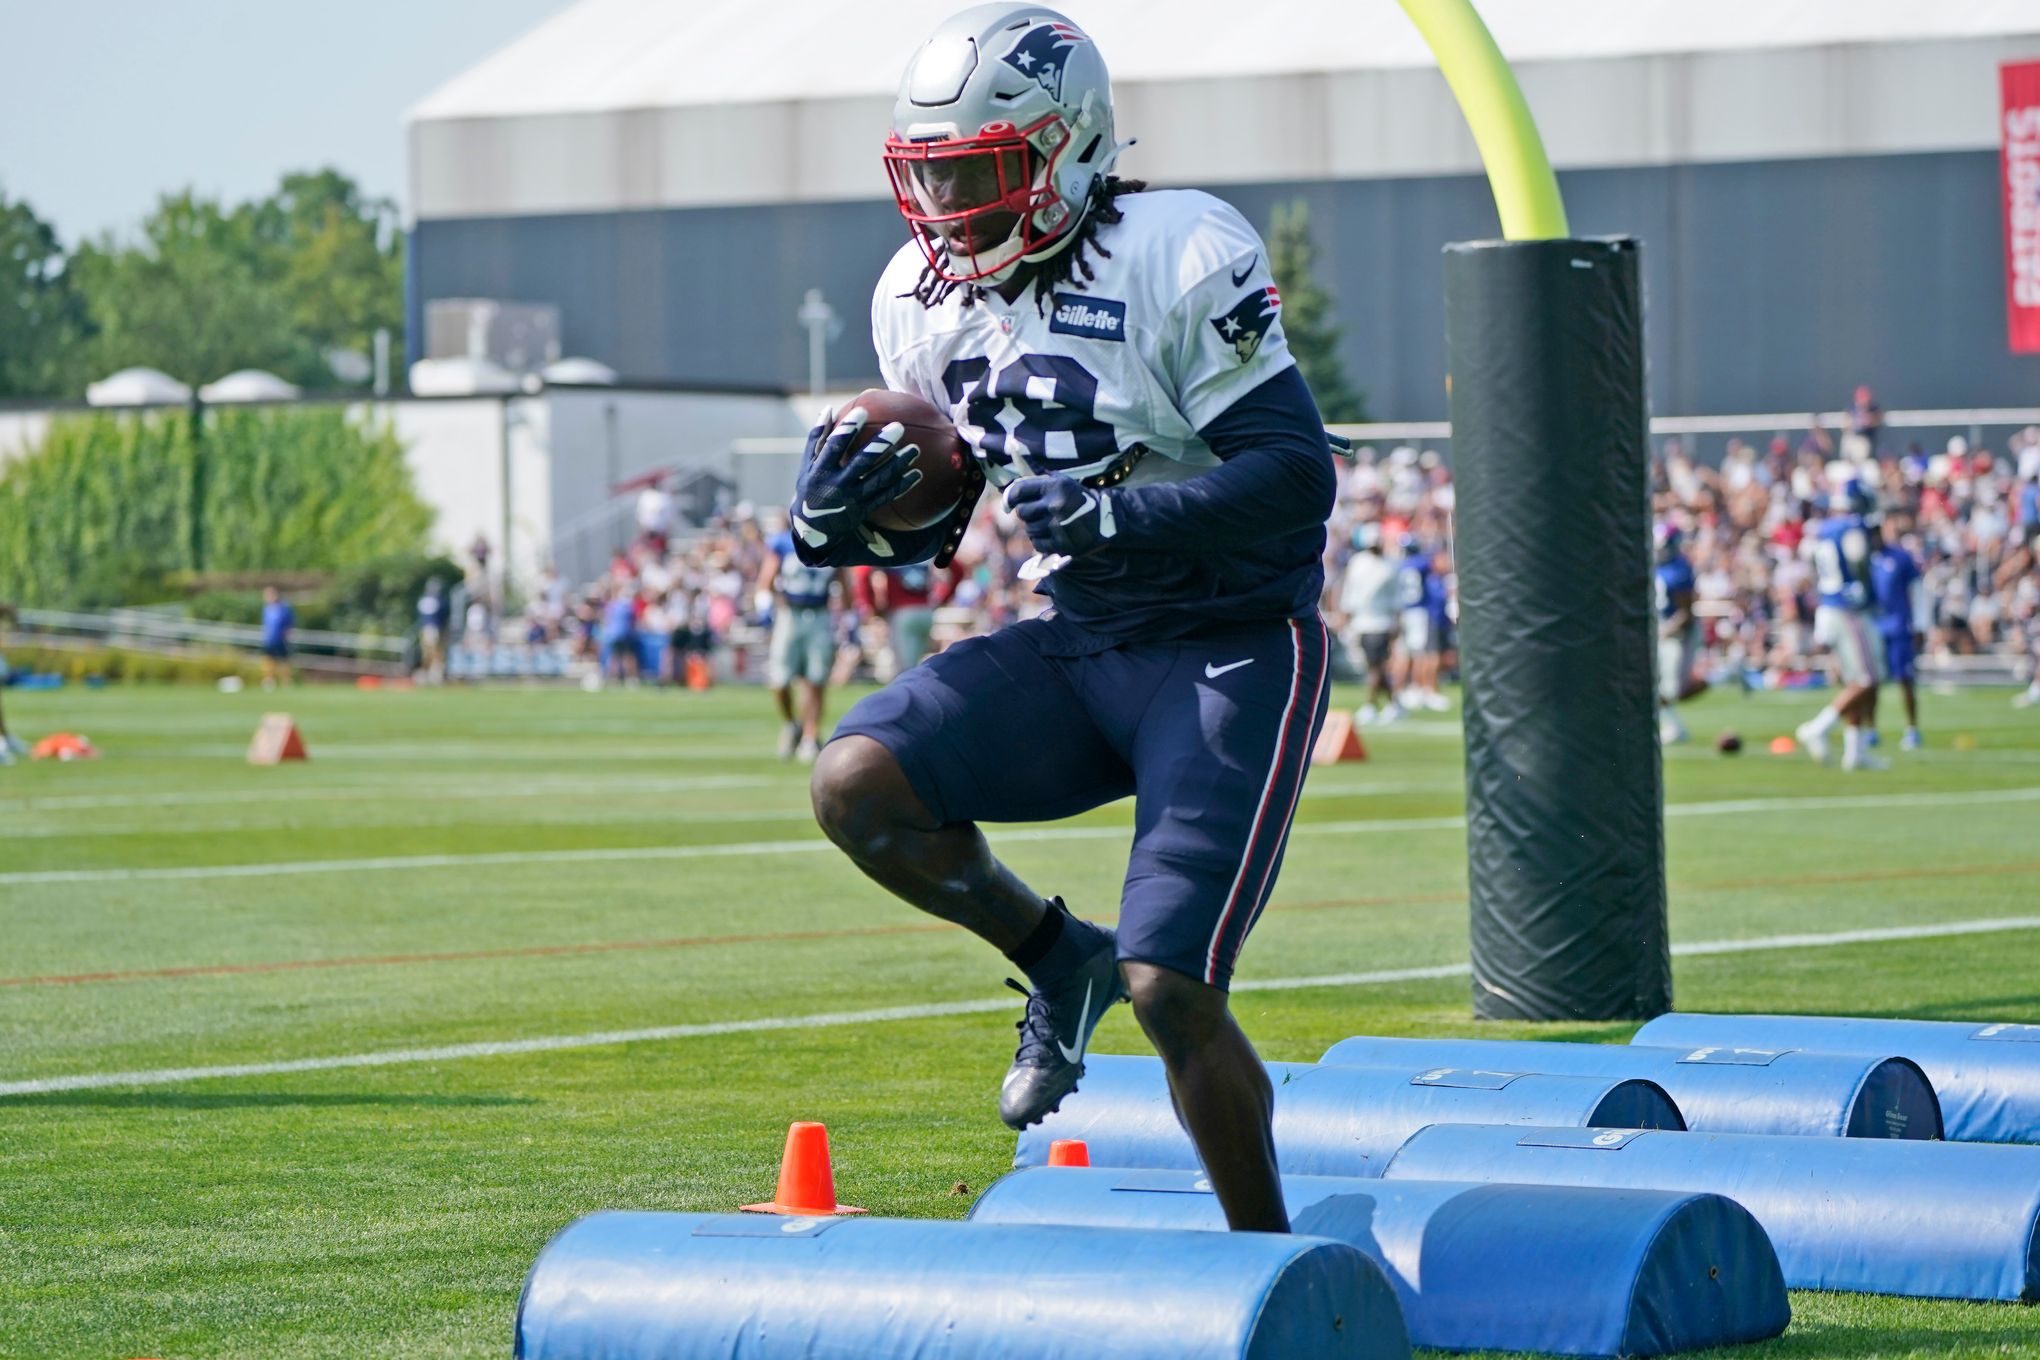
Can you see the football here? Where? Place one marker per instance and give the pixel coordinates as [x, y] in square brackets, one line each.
[944, 460]
[1729, 742]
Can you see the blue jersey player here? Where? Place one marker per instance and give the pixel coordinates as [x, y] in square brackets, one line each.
[1842, 544]
[1897, 593]
[1115, 359]
[1678, 630]
[803, 645]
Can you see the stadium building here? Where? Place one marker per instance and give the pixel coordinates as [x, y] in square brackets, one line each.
[1816, 182]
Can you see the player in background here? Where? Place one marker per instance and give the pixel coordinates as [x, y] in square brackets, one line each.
[1115, 361]
[10, 746]
[796, 595]
[1841, 547]
[1678, 631]
[278, 618]
[906, 598]
[1420, 597]
[1368, 600]
[1897, 590]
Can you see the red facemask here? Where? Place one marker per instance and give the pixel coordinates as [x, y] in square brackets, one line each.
[969, 199]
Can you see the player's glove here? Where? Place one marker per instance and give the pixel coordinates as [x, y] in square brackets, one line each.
[833, 494]
[1062, 515]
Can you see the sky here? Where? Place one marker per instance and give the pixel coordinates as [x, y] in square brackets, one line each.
[107, 104]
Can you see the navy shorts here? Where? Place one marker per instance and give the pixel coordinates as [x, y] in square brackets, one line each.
[1210, 735]
[1901, 662]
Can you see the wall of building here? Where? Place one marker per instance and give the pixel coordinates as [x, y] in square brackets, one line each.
[1771, 285]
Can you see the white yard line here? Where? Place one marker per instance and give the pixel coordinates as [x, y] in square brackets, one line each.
[1379, 826]
[410, 789]
[396, 1057]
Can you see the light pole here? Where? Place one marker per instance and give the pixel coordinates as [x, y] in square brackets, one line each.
[822, 325]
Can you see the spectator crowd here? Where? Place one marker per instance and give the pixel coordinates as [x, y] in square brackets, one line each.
[676, 605]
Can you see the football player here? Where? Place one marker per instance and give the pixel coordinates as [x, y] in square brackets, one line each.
[1420, 591]
[1678, 631]
[1367, 597]
[1115, 359]
[803, 641]
[1841, 546]
[1896, 587]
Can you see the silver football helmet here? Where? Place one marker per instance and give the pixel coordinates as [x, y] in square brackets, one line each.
[1002, 125]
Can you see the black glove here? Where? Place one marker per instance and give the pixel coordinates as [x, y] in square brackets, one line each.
[832, 495]
[1062, 515]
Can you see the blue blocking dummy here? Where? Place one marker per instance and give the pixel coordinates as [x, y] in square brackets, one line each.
[1988, 1076]
[656, 1286]
[1333, 1121]
[1556, 1269]
[1718, 1090]
[1876, 1216]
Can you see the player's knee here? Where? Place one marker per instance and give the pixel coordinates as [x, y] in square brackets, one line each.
[857, 790]
[1176, 1012]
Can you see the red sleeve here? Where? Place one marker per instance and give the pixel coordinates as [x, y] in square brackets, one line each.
[860, 590]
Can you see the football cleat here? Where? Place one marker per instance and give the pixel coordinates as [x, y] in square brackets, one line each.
[1813, 742]
[1054, 1032]
[789, 740]
[1911, 740]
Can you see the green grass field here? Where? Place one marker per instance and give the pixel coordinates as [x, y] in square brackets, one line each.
[458, 868]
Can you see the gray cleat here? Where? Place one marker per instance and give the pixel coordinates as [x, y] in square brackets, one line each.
[1054, 1033]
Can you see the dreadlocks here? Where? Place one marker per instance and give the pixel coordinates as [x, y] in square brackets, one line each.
[1101, 210]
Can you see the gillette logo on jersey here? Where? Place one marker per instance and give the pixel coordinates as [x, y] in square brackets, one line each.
[1042, 53]
[1098, 318]
[1248, 321]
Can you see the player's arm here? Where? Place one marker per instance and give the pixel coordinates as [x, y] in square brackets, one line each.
[1275, 478]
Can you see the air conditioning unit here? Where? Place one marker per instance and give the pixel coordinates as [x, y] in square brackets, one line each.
[520, 336]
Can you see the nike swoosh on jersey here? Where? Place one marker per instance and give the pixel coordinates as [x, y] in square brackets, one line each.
[813, 513]
[1241, 277]
[1077, 1055]
[1212, 672]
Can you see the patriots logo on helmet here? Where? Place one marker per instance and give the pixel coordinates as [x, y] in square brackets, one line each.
[1042, 53]
[1244, 326]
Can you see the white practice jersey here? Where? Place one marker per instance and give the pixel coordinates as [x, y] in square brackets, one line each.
[1178, 323]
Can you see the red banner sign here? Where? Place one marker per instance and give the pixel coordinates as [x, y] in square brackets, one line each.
[2020, 126]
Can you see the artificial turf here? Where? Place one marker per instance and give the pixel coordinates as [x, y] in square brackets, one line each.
[555, 863]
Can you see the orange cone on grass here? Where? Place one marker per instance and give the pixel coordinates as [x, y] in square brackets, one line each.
[1069, 1152]
[807, 1187]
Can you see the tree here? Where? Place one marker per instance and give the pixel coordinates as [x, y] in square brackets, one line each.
[194, 298]
[337, 258]
[1307, 315]
[42, 316]
[274, 283]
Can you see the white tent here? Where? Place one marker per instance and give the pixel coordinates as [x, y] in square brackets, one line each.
[248, 384]
[137, 387]
[462, 377]
[621, 105]
[577, 372]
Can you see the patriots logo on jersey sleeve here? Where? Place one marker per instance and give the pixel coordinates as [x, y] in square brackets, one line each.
[1041, 54]
[1244, 326]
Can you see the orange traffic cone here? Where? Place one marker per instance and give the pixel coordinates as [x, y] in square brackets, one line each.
[807, 1187]
[1338, 741]
[1069, 1152]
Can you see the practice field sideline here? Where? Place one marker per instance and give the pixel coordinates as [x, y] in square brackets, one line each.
[615, 961]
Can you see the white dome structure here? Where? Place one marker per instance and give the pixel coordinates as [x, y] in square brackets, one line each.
[462, 377]
[576, 372]
[248, 384]
[137, 387]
